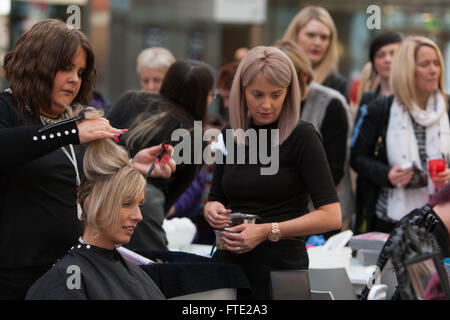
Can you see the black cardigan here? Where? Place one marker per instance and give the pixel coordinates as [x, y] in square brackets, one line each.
[337, 82]
[38, 192]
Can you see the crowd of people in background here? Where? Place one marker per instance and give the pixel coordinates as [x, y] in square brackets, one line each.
[74, 175]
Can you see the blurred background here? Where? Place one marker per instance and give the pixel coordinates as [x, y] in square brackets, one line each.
[211, 30]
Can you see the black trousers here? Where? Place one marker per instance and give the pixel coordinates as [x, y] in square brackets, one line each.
[267, 256]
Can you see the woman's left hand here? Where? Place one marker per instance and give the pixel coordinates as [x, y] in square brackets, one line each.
[145, 158]
[442, 178]
[244, 237]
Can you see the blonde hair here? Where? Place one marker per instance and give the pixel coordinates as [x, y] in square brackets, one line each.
[109, 179]
[369, 80]
[330, 59]
[155, 58]
[402, 77]
[279, 70]
[300, 60]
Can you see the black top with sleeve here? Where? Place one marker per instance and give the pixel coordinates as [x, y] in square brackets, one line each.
[337, 82]
[367, 97]
[303, 169]
[334, 131]
[374, 124]
[38, 192]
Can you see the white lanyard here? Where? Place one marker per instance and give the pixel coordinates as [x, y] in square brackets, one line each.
[73, 160]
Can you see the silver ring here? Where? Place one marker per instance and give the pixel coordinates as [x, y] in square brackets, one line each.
[238, 249]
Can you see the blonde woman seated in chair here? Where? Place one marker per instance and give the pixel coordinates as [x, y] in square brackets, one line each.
[110, 194]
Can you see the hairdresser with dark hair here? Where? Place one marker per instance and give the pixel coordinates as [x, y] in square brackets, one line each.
[185, 93]
[51, 75]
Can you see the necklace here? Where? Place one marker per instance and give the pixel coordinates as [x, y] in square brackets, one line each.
[46, 120]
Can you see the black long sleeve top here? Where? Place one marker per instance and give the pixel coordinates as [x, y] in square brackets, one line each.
[38, 192]
[338, 82]
[334, 131]
[370, 136]
[303, 170]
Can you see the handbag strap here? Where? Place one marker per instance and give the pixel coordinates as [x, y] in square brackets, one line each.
[384, 124]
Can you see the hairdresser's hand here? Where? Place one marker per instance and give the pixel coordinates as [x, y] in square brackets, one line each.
[217, 215]
[399, 177]
[143, 160]
[442, 178]
[90, 130]
[244, 237]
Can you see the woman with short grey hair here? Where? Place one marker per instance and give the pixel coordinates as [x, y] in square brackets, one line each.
[152, 65]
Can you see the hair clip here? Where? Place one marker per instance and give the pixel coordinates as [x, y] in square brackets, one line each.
[62, 122]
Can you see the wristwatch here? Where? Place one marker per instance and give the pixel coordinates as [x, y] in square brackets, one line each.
[275, 234]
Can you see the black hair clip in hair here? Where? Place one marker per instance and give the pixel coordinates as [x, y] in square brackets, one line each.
[62, 122]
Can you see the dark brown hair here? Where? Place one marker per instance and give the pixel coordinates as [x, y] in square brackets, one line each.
[187, 83]
[183, 98]
[226, 75]
[30, 67]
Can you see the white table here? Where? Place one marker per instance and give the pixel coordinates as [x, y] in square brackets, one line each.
[200, 249]
[357, 273]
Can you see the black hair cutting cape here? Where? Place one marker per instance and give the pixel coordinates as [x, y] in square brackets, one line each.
[93, 273]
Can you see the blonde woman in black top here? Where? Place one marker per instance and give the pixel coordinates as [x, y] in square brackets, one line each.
[265, 95]
[314, 30]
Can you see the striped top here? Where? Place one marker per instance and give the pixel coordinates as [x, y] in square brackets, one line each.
[381, 205]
